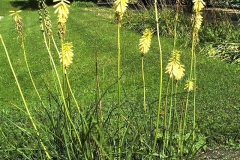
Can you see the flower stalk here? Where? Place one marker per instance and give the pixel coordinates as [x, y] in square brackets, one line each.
[197, 8]
[174, 68]
[192, 80]
[160, 81]
[24, 100]
[144, 45]
[120, 6]
[62, 14]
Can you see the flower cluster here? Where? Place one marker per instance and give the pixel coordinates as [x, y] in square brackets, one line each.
[66, 55]
[120, 6]
[48, 25]
[44, 17]
[189, 85]
[198, 21]
[18, 22]
[62, 11]
[197, 7]
[174, 68]
[145, 41]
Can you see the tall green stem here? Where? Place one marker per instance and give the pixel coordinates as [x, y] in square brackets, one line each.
[160, 83]
[119, 88]
[194, 94]
[70, 89]
[24, 101]
[61, 91]
[29, 72]
[175, 26]
[165, 118]
[144, 86]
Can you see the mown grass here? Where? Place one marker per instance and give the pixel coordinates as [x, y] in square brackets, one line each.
[93, 30]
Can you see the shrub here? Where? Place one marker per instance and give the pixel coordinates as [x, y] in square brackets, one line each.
[83, 4]
[140, 19]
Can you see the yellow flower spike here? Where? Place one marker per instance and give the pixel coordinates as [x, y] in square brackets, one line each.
[62, 10]
[48, 25]
[189, 85]
[18, 22]
[198, 21]
[145, 41]
[13, 13]
[120, 6]
[179, 73]
[174, 68]
[198, 5]
[66, 56]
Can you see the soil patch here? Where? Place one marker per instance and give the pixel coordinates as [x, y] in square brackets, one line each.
[219, 154]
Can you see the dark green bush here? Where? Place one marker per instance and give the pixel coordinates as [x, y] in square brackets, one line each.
[218, 34]
[83, 4]
[141, 19]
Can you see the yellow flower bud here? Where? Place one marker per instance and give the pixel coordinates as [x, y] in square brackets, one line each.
[62, 10]
[198, 5]
[66, 55]
[120, 6]
[189, 85]
[18, 22]
[174, 68]
[198, 21]
[145, 41]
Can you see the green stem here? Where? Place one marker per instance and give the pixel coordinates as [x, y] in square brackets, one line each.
[98, 101]
[160, 83]
[119, 88]
[55, 45]
[192, 70]
[180, 133]
[70, 89]
[144, 86]
[98, 95]
[169, 132]
[194, 94]
[24, 101]
[172, 117]
[29, 72]
[175, 26]
[61, 91]
[165, 118]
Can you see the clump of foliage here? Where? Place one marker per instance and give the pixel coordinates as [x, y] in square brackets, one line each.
[228, 52]
[140, 19]
[218, 29]
[83, 4]
[220, 36]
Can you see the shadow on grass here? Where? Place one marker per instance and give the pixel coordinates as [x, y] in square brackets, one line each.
[28, 4]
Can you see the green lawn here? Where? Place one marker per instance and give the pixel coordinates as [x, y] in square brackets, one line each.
[92, 30]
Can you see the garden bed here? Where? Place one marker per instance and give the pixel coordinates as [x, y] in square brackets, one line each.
[219, 13]
[220, 153]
